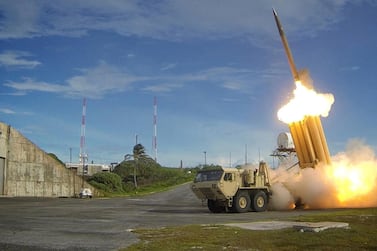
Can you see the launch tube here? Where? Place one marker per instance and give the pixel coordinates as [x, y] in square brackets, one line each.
[301, 139]
[301, 147]
[296, 142]
[316, 139]
[308, 142]
[323, 140]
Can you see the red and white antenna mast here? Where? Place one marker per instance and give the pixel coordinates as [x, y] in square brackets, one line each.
[83, 155]
[155, 128]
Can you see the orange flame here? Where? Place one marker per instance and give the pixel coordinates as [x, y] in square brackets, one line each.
[355, 180]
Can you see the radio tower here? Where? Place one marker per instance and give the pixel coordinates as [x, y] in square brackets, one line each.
[155, 128]
[83, 155]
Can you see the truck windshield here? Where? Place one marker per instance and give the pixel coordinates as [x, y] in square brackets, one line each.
[208, 175]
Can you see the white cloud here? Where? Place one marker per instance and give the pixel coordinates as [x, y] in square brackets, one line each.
[7, 111]
[13, 112]
[101, 80]
[237, 79]
[18, 93]
[17, 59]
[168, 19]
[168, 67]
[92, 83]
[30, 85]
[19, 19]
[232, 85]
[350, 68]
[105, 79]
[162, 87]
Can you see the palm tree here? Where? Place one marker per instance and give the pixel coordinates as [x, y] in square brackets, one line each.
[138, 153]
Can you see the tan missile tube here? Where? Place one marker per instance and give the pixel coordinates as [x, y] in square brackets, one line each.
[305, 149]
[327, 157]
[296, 141]
[310, 142]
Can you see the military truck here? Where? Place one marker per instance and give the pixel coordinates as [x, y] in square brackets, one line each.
[234, 190]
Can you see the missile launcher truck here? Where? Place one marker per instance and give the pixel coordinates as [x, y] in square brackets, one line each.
[234, 190]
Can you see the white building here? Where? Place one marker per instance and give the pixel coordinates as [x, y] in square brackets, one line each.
[89, 169]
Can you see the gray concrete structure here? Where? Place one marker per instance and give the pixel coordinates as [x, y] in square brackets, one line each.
[26, 170]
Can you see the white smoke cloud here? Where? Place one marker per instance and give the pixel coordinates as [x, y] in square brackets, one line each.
[351, 181]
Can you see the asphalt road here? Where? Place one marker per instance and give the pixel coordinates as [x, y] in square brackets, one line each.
[105, 224]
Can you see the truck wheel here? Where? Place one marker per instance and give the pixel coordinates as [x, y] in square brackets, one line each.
[241, 203]
[215, 207]
[259, 201]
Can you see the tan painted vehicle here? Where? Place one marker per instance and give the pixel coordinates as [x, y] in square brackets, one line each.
[234, 190]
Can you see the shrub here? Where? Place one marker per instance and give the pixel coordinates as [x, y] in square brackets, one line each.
[109, 182]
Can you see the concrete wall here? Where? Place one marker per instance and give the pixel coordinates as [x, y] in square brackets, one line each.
[29, 171]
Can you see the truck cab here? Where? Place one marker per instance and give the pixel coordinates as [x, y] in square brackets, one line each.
[232, 189]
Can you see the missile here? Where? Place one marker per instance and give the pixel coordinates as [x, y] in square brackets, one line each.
[286, 48]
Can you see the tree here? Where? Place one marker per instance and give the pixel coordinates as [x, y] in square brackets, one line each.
[138, 154]
[139, 151]
[137, 168]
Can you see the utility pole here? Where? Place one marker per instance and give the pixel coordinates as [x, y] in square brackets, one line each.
[245, 154]
[155, 128]
[70, 155]
[205, 158]
[230, 159]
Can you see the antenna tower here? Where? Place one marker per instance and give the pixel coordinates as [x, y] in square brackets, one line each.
[155, 128]
[83, 155]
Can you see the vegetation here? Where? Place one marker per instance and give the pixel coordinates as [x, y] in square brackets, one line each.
[210, 167]
[56, 158]
[107, 182]
[139, 173]
[361, 235]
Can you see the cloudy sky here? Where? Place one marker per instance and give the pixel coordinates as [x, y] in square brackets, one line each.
[217, 69]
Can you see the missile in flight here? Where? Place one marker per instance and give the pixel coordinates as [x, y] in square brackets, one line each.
[286, 48]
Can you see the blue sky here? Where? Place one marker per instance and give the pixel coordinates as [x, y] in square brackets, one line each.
[217, 68]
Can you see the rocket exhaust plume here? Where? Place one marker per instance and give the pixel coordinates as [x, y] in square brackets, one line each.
[348, 179]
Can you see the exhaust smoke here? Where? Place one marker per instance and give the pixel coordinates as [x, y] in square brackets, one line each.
[351, 181]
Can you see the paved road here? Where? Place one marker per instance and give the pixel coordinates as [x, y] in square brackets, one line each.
[104, 224]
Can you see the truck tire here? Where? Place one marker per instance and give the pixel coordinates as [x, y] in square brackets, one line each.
[259, 200]
[241, 202]
[215, 207]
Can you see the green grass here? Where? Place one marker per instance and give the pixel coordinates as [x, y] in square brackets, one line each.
[361, 235]
[145, 190]
[161, 179]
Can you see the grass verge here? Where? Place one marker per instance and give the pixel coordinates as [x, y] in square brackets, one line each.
[361, 235]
